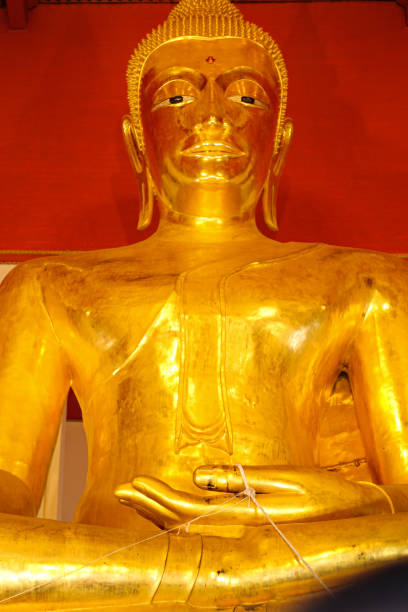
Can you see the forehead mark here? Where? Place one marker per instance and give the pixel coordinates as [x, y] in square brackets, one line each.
[210, 59]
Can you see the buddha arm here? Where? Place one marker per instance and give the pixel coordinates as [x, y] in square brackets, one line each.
[34, 380]
[378, 369]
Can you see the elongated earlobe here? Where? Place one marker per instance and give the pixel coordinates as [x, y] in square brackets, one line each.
[269, 202]
[146, 201]
[270, 190]
[144, 181]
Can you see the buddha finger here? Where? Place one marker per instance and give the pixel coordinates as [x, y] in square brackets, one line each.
[165, 495]
[213, 510]
[279, 508]
[130, 496]
[264, 479]
[143, 512]
[185, 505]
[146, 506]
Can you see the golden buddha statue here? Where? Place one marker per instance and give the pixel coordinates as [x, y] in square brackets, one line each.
[205, 347]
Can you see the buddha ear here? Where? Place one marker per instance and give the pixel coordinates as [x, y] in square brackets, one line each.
[270, 190]
[144, 181]
[287, 134]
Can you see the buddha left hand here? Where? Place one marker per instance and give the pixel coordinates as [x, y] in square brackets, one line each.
[288, 494]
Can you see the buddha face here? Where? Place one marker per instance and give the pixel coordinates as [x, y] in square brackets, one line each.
[209, 110]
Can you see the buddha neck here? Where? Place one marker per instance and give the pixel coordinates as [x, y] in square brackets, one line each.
[177, 227]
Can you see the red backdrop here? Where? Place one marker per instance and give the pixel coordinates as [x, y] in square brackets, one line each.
[65, 179]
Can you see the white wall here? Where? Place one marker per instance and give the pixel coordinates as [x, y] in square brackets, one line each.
[5, 269]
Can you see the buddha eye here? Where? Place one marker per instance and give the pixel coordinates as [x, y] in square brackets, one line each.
[174, 101]
[248, 101]
[175, 93]
[247, 92]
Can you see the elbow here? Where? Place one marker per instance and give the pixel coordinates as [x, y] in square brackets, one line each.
[15, 496]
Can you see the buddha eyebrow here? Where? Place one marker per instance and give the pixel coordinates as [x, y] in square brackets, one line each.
[240, 72]
[178, 72]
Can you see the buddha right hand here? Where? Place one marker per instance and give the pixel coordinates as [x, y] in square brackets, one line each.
[288, 494]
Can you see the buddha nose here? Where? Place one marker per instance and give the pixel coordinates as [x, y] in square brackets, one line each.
[212, 105]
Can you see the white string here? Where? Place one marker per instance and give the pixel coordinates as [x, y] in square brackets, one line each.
[186, 525]
[251, 494]
[248, 492]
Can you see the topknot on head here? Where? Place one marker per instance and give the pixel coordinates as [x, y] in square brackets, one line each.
[209, 19]
[223, 8]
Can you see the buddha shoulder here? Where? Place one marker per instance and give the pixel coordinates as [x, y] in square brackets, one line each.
[348, 269]
[92, 295]
[362, 261]
[98, 275]
[84, 274]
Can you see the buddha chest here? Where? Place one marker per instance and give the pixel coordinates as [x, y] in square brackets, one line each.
[230, 365]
